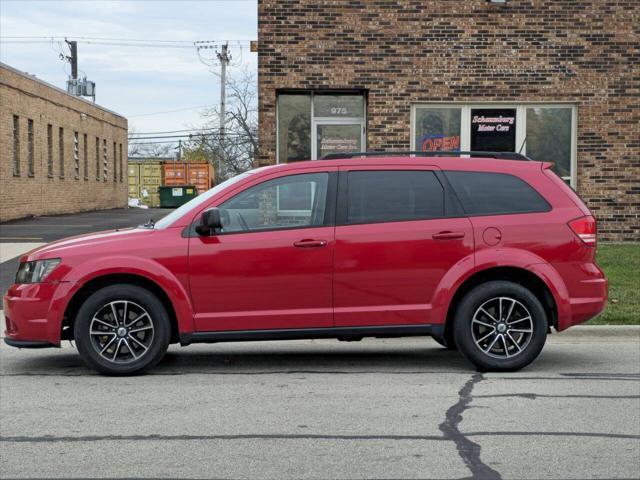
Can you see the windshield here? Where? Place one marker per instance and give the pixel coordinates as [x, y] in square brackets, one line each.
[164, 222]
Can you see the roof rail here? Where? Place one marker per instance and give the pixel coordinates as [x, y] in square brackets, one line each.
[497, 155]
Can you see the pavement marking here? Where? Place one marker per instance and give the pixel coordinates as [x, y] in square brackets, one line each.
[9, 250]
[20, 238]
[49, 225]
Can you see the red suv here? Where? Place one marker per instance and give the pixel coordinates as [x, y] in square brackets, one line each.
[485, 255]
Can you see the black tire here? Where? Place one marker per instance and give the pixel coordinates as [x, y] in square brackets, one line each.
[519, 348]
[130, 302]
[447, 343]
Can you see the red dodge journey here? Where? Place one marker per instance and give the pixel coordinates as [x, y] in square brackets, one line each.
[486, 254]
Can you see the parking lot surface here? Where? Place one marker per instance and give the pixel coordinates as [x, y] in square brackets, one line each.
[402, 408]
[20, 236]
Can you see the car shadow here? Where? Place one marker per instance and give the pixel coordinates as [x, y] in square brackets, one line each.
[263, 358]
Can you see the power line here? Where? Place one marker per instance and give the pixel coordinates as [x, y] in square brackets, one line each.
[196, 130]
[186, 135]
[169, 111]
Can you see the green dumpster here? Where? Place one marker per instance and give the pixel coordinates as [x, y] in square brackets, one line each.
[174, 196]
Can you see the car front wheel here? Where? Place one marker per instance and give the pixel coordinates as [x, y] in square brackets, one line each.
[500, 326]
[122, 329]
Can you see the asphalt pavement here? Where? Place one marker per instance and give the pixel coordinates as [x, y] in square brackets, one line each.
[402, 408]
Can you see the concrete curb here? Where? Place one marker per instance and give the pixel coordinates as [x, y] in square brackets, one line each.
[602, 331]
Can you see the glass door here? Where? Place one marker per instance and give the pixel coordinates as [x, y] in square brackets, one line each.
[337, 136]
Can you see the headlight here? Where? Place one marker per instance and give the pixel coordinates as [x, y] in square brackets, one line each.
[37, 271]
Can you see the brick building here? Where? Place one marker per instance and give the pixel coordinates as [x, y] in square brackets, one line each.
[557, 80]
[58, 153]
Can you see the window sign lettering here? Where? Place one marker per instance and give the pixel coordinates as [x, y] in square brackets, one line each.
[438, 129]
[493, 130]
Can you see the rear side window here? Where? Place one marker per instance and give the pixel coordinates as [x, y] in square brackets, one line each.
[392, 196]
[495, 193]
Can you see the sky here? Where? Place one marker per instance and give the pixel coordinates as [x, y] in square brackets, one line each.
[135, 81]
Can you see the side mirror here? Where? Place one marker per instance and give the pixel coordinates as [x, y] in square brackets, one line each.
[210, 222]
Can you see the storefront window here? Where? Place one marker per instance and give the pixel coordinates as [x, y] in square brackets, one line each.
[549, 137]
[544, 132]
[312, 125]
[437, 129]
[294, 128]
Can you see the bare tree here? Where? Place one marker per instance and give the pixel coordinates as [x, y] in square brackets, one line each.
[237, 151]
[146, 149]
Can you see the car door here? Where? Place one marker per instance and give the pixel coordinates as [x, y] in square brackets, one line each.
[397, 234]
[271, 266]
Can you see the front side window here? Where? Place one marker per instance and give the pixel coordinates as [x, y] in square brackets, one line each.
[393, 196]
[495, 193]
[288, 202]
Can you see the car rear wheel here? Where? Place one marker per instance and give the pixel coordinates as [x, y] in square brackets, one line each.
[122, 329]
[500, 326]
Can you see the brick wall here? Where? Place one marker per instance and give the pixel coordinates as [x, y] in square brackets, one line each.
[41, 194]
[405, 52]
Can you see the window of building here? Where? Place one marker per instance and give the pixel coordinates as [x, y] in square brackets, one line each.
[50, 150]
[288, 202]
[16, 145]
[30, 147]
[495, 193]
[545, 132]
[85, 156]
[98, 159]
[61, 150]
[120, 161]
[392, 196]
[76, 156]
[105, 161]
[115, 163]
[311, 125]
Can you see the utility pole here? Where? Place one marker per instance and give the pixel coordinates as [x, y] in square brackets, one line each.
[224, 56]
[73, 59]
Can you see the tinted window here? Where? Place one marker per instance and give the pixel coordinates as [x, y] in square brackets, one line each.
[286, 202]
[494, 193]
[386, 196]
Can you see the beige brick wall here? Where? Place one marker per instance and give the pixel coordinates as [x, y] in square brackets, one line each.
[403, 52]
[43, 194]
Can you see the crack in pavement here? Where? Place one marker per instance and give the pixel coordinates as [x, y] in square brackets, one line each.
[468, 451]
[248, 436]
[285, 436]
[533, 396]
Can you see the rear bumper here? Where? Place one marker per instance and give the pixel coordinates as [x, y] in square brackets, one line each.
[583, 308]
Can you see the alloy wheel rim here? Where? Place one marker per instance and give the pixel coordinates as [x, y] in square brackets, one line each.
[121, 331]
[502, 327]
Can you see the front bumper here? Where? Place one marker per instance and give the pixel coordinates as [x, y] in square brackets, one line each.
[34, 313]
[27, 343]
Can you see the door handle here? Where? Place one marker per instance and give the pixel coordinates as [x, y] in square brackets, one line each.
[448, 235]
[309, 243]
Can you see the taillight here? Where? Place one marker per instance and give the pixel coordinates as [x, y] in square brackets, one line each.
[585, 229]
